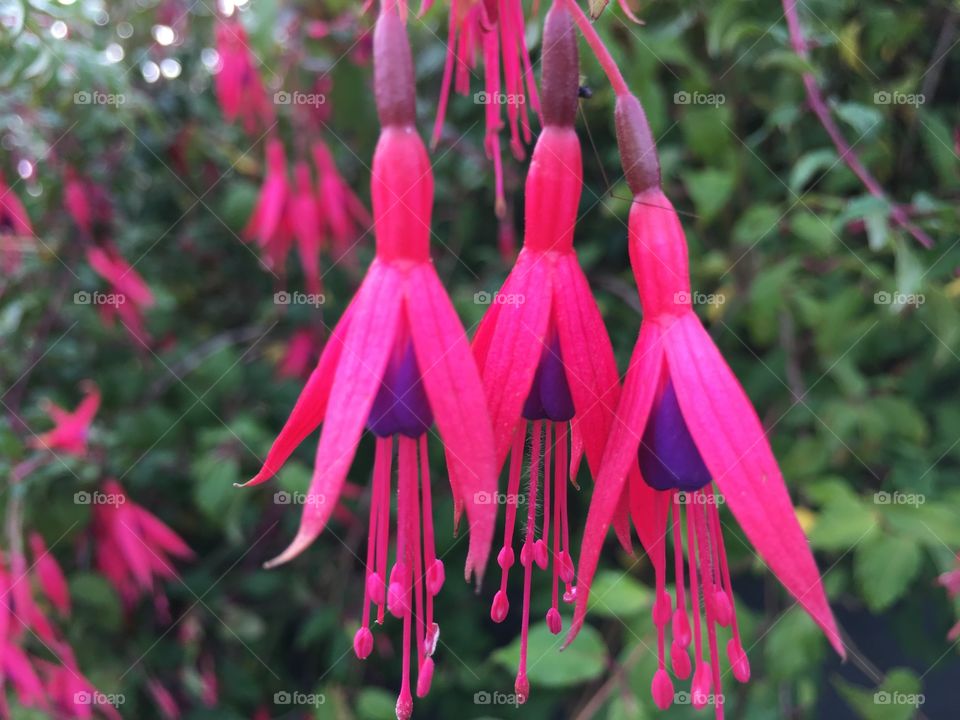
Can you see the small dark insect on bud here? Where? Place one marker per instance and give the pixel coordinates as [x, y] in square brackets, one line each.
[585, 92]
[561, 68]
[393, 80]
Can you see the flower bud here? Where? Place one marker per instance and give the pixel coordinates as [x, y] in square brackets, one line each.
[560, 81]
[393, 82]
[638, 153]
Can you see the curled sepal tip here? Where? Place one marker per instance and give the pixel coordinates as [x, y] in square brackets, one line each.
[561, 68]
[393, 80]
[638, 153]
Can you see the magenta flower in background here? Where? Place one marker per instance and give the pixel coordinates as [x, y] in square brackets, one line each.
[543, 352]
[343, 215]
[494, 31]
[71, 429]
[238, 85]
[89, 205]
[684, 423]
[269, 223]
[301, 354]
[15, 228]
[306, 223]
[133, 548]
[130, 296]
[49, 575]
[398, 360]
[951, 582]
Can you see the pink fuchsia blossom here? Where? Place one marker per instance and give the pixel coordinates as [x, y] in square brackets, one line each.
[50, 576]
[544, 354]
[71, 428]
[951, 581]
[130, 296]
[398, 360]
[134, 549]
[164, 701]
[15, 227]
[300, 356]
[343, 215]
[269, 225]
[306, 223]
[239, 88]
[684, 425]
[494, 31]
[89, 205]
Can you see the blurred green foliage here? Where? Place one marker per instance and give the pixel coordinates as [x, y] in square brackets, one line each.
[843, 330]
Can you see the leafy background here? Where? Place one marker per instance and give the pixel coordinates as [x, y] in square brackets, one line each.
[861, 395]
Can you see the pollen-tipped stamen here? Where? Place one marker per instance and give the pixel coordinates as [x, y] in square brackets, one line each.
[506, 558]
[522, 684]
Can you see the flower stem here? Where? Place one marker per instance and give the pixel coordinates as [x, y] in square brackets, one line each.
[603, 55]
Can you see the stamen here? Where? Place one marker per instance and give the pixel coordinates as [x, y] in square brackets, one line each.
[435, 571]
[661, 608]
[700, 688]
[373, 584]
[735, 653]
[541, 554]
[505, 558]
[398, 594]
[522, 684]
[679, 659]
[554, 622]
[378, 591]
[709, 593]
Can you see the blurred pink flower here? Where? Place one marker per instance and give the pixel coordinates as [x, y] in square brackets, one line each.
[269, 224]
[130, 294]
[71, 429]
[134, 548]
[15, 227]
[951, 581]
[238, 85]
[342, 213]
[88, 204]
[166, 704]
[302, 353]
[50, 576]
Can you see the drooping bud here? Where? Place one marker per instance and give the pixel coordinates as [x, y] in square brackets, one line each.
[662, 689]
[561, 68]
[638, 152]
[393, 80]
[363, 643]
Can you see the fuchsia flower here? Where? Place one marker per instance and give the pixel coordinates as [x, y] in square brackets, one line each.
[301, 354]
[687, 421]
[131, 296]
[951, 581]
[134, 548]
[493, 29]
[343, 214]
[238, 85]
[49, 575]
[305, 221]
[397, 360]
[48, 686]
[71, 429]
[15, 227]
[269, 224]
[88, 204]
[542, 348]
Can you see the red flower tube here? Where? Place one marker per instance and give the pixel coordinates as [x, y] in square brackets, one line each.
[397, 360]
[689, 424]
[544, 353]
[15, 227]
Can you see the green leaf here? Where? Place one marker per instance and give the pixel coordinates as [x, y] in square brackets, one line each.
[376, 704]
[810, 165]
[897, 698]
[584, 660]
[617, 594]
[710, 191]
[843, 524]
[759, 221]
[93, 594]
[884, 565]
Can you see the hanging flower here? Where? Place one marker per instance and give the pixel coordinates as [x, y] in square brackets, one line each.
[89, 205]
[493, 30]
[543, 352]
[685, 424]
[134, 548]
[49, 575]
[951, 581]
[343, 215]
[71, 429]
[397, 361]
[301, 354]
[15, 228]
[130, 296]
[238, 85]
[269, 223]
[305, 221]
